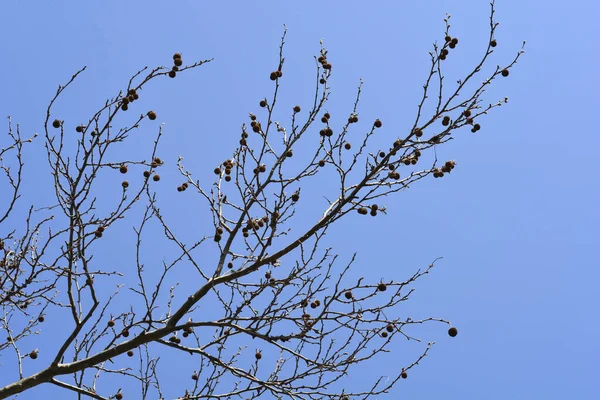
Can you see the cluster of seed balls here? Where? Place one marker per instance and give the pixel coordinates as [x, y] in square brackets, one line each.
[364, 211]
[228, 165]
[448, 166]
[177, 62]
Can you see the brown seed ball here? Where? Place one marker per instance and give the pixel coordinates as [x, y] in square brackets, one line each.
[382, 287]
[33, 355]
[136, 96]
[505, 73]
[119, 396]
[110, 323]
[273, 76]
[125, 184]
[467, 113]
[377, 123]
[384, 334]
[445, 52]
[217, 171]
[262, 168]
[253, 117]
[362, 211]
[179, 189]
[448, 38]
[404, 375]
[125, 333]
[446, 121]
[219, 231]
[477, 127]
[263, 103]
[354, 119]
[41, 318]
[452, 332]
[123, 169]
[267, 275]
[348, 295]
[374, 207]
[153, 164]
[296, 109]
[328, 132]
[258, 355]
[321, 163]
[454, 41]
[493, 43]
[185, 334]
[327, 66]
[98, 234]
[184, 185]
[130, 353]
[327, 115]
[131, 92]
[174, 68]
[452, 45]
[256, 128]
[178, 62]
[126, 100]
[389, 328]
[373, 213]
[322, 81]
[313, 305]
[56, 123]
[229, 265]
[442, 57]
[79, 128]
[217, 238]
[381, 154]
[124, 107]
[279, 73]
[321, 59]
[347, 146]
[418, 132]
[324, 120]
[151, 115]
[289, 153]
[176, 56]
[228, 178]
[146, 174]
[195, 377]
[295, 197]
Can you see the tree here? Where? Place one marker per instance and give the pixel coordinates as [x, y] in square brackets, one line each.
[277, 288]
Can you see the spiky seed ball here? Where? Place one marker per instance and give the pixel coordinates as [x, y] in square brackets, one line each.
[279, 73]
[229, 265]
[41, 318]
[179, 189]
[156, 178]
[381, 154]
[477, 127]
[362, 211]
[263, 103]
[185, 334]
[448, 38]
[295, 197]
[33, 355]
[146, 174]
[442, 57]
[445, 52]
[258, 355]
[256, 128]
[377, 123]
[404, 375]
[321, 163]
[273, 76]
[176, 56]
[446, 121]
[328, 132]
[304, 303]
[322, 81]
[324, 120]
[125, 184]
[217, 171]
[219, 230]
[354, 119]
[227, 178]
[327, 115]
[389, 328]
[154, 164]
[125, 333]
[124, 107]
[178, 62]
[454, 41]
[321, 59]
[505, 73]
[347, 146]
[467, 113]
[125, 100]
[172, 339]
[79, 128]
[373, 213]
[267, 275]
[131, 92]
[175, 68]
[98, 234]
[296, 109]
[382, 287]
[452, 332]
[493, 43]
[136, 96]
[130, 353]
[313, 305]
[417, 153]
[119, 396]
[384, 334]
[56, 123]
[396, 175]
[195, 377]
[452, 45]
[151, 115]
[184, 185]
[110, 323]
[413, 161]
[217, 238]
[418, 132]
[262, 168]
[327, 66]
[289, 153]
[123, 169]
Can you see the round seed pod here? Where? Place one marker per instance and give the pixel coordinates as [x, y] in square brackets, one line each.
[172, 74]
[452, 332]
[178, 62]
[125, 184]
[56, 123]
[151, 115]
[377, 123]
[123, 169]
[382, 287]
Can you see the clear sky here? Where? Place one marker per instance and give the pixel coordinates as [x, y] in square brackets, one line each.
[517, 222]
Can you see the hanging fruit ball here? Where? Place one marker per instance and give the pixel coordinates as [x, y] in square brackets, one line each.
[56, 123]
[452, 332]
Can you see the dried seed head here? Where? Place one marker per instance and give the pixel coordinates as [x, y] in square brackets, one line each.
[176, 56]
[273, 75]
[452, 332]
[348, 295]
[382, 287]
[125, 184]
[296, 109]
[56, 123]
[156, 178]
[123, 169]
[178, 62]
[505, 73]
[377, 123]
[493, 43]
[152, 115]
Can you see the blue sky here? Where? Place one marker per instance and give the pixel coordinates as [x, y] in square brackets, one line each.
[516, 223]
